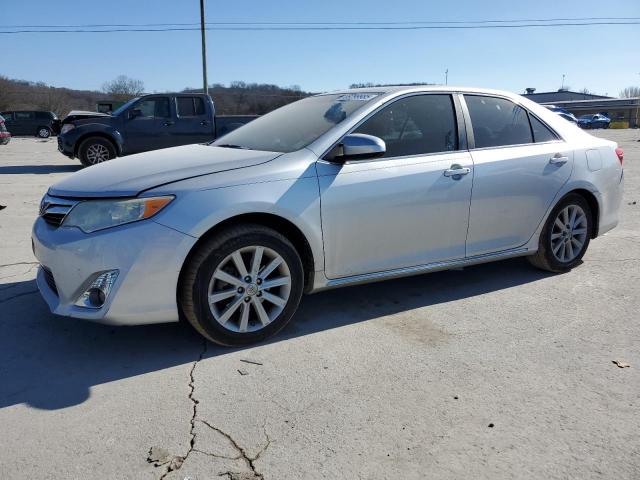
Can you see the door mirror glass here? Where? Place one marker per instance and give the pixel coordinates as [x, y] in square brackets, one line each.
[135, 112]
[359, 146]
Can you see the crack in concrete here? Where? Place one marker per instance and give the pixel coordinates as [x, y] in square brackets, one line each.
[18, 263]
[176, 465]
[176, 462]
[249, 460]
[26, 272]
[17, 295]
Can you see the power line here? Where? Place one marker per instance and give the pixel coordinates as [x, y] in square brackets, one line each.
[327, 27]
[298, 23]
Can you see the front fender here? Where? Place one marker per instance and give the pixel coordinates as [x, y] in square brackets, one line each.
[297, 201]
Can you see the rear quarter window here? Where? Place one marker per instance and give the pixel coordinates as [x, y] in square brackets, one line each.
[541, 133]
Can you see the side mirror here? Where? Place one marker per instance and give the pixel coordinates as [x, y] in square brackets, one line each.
[359, 146]
[135, 112]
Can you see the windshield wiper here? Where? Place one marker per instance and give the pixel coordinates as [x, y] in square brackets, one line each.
[230, 145]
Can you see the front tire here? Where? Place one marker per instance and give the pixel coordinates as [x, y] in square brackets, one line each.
[565, 237]
[241, 285]
[96, 150]
[43, 132]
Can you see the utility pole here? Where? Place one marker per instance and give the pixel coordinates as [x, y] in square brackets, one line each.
[205, 85]
[446, 77]
[562, 86]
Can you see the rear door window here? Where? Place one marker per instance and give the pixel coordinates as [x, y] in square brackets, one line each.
[498, 122]
[190, 106]
[415, 125]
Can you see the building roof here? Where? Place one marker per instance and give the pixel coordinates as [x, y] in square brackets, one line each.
[561, 91]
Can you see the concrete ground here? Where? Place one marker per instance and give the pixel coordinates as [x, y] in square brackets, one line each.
[495, 372]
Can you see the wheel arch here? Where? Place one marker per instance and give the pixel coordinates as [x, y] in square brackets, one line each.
[284, 226]
[107, 136]
[594, 205]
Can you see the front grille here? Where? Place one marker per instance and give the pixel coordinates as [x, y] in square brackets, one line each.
[48, 277]
[53, 210]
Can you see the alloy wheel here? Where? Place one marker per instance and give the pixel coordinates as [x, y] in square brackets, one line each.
[249, 289]
[97, 153]
[569, 233]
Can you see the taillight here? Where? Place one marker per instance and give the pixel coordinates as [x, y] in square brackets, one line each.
[620, 154]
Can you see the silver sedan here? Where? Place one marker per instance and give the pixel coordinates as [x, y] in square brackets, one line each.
[333, 190]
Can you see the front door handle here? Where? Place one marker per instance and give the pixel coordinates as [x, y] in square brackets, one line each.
[168, 123]
[558, 159]
[456, 171]
[204, 122]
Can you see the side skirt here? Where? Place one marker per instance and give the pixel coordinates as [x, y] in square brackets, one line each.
[322, 283]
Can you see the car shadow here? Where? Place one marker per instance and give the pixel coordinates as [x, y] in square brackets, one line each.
[51, 362]
[38, 169]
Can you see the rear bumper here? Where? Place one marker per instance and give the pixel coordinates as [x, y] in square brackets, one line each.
[147, 255]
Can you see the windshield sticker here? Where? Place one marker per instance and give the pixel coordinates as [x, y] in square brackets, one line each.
[357, 97]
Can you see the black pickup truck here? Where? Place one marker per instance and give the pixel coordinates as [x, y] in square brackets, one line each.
[145, 123]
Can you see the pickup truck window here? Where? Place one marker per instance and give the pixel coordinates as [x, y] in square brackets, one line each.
[154, 107]
[296, 125]
[125, 107]
[189, 106]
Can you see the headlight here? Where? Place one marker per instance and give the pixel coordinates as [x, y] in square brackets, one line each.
[66, 127]
[93, 215]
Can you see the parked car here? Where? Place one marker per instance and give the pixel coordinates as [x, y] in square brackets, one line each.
[5, 136]
[333, 190]
[146, 123]
[30, 122]
[566, 114]
[594, 121]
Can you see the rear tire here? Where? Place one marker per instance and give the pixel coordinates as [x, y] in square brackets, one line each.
[43, 132]
[96, 150]
[565, 237]
[233, 299]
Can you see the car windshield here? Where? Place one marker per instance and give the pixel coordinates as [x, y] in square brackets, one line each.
[296, 125]
[124, 107]
[586, 117]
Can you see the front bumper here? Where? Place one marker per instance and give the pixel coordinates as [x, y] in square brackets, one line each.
[66, 145]
[148, 255]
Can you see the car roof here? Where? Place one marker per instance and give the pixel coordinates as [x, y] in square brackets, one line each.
[395, 89]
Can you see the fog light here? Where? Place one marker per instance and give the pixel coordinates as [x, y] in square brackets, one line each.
[96, 295]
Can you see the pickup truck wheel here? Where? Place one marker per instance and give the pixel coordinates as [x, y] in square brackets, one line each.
[95, 150]
[43, 132]
[242, 285]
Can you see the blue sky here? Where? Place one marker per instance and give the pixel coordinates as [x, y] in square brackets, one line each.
[603, 59]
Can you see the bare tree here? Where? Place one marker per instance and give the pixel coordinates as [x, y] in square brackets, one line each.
[585, 90]
[630, 92]
[123, 88]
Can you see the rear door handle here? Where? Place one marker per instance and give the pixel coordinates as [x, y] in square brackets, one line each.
[204, 122]
[456, 171]
[168, 123]
[558, 159]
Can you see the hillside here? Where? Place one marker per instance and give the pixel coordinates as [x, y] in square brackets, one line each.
[238, 98]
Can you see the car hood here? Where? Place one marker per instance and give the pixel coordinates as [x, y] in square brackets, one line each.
[131, 175]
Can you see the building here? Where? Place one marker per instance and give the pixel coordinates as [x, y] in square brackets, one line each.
[562, 95]
[625, 112]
